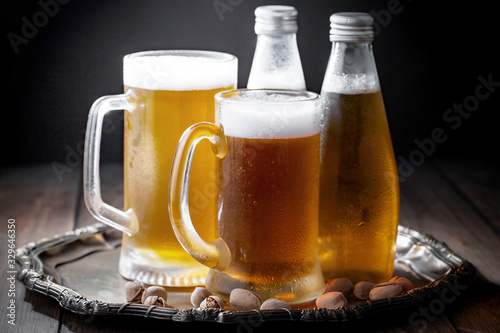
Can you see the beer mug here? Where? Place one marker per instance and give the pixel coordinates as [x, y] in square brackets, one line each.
[165, 93]
[268, 145]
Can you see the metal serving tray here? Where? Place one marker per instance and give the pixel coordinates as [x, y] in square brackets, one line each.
[79, 270]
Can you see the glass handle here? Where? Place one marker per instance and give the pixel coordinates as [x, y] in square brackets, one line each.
[123, 221]
[216, 254]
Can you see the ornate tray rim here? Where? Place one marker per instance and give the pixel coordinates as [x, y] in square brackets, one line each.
[33, 276]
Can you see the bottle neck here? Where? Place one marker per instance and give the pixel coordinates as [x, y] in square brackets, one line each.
[276, 63]
[351, 68]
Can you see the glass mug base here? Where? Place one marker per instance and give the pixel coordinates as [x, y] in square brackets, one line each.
[300, 290]
[145, 266]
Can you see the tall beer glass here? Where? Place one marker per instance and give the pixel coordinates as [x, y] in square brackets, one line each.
[268, 145]
[165, 92]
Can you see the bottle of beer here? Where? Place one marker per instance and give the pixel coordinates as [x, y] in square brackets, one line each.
[276, 62]
[359, 189]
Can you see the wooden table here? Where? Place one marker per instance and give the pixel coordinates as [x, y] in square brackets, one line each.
[456, 201]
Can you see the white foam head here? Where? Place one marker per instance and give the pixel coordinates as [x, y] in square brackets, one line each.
[277, 79]
[180, 70]
[268, 114]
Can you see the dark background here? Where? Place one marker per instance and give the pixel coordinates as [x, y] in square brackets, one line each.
[429, 57]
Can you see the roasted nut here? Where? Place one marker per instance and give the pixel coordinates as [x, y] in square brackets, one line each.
[133, 291]
[362, 290]
[198, 295]
[342, 285]
[244, 300]
[155, 300]
[154, 291]
[212, 302]
[274, 304]
[385, 290]
[403, 282]
[331, 300]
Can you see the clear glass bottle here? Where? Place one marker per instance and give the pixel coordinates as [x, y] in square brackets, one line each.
[276, 62]
[359, 189]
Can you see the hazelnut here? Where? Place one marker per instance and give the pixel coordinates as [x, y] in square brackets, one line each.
[403, 282]
[155, 300]
[244, 300]
[154, 291]
[274, 304]
[331, 300]
[212, 302]
[385, 290]
[362, 290]
[198, 295]
[133, 291]
[342, 285]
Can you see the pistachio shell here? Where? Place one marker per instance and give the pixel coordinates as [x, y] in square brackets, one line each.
[133, 291]
[403, 282]
[155, 300]
[154, 291]
[342, 285]
[362, 290]
[274, 304]
[385, 290]
[244, 300]
[331, 300]
[198, 295]
[212, 302]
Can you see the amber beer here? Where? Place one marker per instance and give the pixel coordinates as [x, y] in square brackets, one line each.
[264, 218]
[174, 93]
[359, 192]
[268, 145]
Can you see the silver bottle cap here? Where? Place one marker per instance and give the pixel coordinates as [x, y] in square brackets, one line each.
[275, 20]
[351, 27]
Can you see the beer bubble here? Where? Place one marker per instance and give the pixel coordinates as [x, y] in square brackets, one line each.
[352, 83]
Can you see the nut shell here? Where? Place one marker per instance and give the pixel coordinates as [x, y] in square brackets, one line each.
[244, 300]
[198, 295]
[155, 300]
[212, 302]
[133, 291]
[331, 300]
[403, 282]
[385, 290]
[362, 290]
[343, 285]
[274, 304]
[154, 291]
